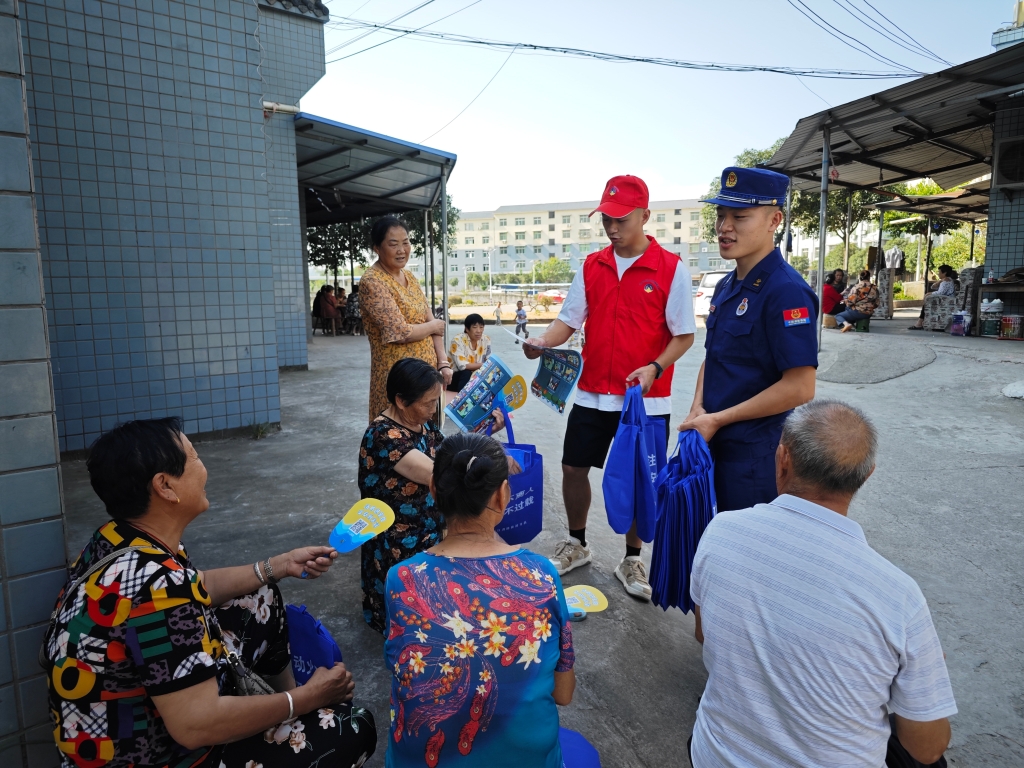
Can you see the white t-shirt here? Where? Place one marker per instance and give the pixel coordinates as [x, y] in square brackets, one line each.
[678, 317]
[810, 639]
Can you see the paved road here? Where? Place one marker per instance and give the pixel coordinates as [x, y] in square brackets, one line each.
[944, 505]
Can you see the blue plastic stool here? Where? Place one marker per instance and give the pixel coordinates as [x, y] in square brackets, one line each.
[577, 752]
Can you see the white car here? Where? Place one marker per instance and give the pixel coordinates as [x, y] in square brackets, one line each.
[705, 290]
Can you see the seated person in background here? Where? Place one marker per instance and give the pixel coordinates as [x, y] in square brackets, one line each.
[861, 303]
[469, 350]
[839, 280]
[946, 287]
[831, 299]
[479, 642]
[810, 636]
[329, 308]
[138, 652]
[353, 323]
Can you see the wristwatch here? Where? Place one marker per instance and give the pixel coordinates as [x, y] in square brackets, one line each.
[660, 369]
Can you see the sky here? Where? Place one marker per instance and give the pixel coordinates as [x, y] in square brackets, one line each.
[554, 129]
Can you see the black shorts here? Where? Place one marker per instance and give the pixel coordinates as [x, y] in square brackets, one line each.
[589, 434]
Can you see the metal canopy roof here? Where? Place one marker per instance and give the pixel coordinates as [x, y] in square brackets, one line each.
[963, 204]
[349, 173]
[938, 126]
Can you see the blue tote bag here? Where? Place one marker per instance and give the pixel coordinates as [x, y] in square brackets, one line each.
[524, 515]
[686, 504]
[311, 644]
[636, 456]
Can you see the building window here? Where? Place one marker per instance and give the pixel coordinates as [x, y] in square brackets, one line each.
[584, 234]
[520, 221]
[503, 237]
[536, 220]
[678, 211]
[566, 219]
[694, 215]
[486, 267]
[470, 241]
[551, 227]
[485, 239]
[469, 226]
[470, 268]
[661, 232]
[455, 254]
[414, 267]
[502, 265]
[694, 262]
[661, 218]
[677, 225]
[676, 240]
[805, 252]
[713, 247]
[453, 268]
[566, 248]
[551, 241]
[502, 222]
[537, 235]
[520, 250]
[694, 231]
[551, 214]
[714, 263]
[520, 235]
[584, 219]
[566, 233]
[485, 225]
[503, 250]
[520, 265]
[694, 247]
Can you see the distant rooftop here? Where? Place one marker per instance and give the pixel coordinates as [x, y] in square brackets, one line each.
[314, 8]
[588, 205]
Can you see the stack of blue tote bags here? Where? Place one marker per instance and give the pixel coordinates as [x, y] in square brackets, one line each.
[686, 504]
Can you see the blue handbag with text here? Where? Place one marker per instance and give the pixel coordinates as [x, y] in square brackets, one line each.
[636, 456]
[524, 515]
[311, 644]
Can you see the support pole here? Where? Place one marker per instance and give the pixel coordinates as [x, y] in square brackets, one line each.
[879, 259]
[788, 223]
[846, 246]
[973, 227]
[928, 257]
[444, 252]
[428, 245]
[826, 136]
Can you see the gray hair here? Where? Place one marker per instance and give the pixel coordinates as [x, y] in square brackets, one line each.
[832, 445]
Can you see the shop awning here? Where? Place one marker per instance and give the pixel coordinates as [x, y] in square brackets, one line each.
[348, 173]
[964, 204]
[938, 126]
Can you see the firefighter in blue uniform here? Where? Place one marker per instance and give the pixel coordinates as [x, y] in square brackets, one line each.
[762, 345]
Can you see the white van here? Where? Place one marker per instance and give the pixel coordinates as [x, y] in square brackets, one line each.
[705, 290]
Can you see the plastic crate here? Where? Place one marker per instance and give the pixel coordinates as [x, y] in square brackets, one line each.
[1010, 327]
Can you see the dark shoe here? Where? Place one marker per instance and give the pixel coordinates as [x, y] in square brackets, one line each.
[916, 328]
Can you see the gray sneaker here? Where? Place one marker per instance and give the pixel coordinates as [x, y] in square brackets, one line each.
[633, 575]
[570, 554]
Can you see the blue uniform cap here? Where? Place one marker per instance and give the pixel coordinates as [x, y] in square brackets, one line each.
[750, 187]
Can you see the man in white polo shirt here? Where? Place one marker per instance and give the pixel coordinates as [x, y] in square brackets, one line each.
[811, 638]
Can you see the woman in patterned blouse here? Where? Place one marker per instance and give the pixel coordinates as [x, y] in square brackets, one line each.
[395, 312]
[479, 640]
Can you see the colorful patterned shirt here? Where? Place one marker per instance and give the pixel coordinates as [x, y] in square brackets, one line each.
[463, 351]
[137, 628]
[473, 645]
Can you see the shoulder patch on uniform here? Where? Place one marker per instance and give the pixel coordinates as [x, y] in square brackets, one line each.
[798, 316]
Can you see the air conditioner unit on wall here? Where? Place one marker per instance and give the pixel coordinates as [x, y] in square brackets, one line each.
[1008, 163]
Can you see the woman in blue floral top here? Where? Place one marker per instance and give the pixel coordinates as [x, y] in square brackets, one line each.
[479, 642]
[396, 458]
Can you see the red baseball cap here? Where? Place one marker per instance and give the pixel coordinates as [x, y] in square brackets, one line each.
[622, 195]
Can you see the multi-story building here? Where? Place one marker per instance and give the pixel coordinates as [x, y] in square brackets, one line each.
[515, 238]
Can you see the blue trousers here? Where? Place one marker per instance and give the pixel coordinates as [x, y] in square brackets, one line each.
[742, 482]
[850, 316]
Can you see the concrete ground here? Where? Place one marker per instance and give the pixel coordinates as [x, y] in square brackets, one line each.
[944, 505]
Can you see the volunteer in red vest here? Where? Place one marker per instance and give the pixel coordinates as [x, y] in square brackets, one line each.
[761, 343]
[635, 298]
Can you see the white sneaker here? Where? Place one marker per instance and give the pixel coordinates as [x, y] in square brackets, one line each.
[633, 575]
[570, 554]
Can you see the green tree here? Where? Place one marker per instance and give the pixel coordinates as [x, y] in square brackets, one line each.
[454, 282]
[916, 224]
[335, 246]
[554, 271]
[413, 221]
[748, 158]
[800, 263]
[957, 248]
[476, 280]
[807, 211]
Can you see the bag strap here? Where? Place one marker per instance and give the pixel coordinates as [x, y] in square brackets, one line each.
[634, 400]
[508, 421]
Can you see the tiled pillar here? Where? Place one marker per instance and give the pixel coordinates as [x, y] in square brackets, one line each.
[32, 557]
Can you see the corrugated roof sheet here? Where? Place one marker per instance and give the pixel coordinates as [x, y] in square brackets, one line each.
[966, 204]
[938, 126]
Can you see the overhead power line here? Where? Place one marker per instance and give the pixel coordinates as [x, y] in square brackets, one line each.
[474, 98]
[862, 18]
[399, 37]
[911, 39]
[456, 39]
[357, 38]
[849, 41]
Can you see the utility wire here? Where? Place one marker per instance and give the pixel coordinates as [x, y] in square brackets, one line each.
[456, 39]
[814, 92]
[410, 32]
[862, 18]
[506, 61]
[819, 22]
[911, 39]
[357, 38]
